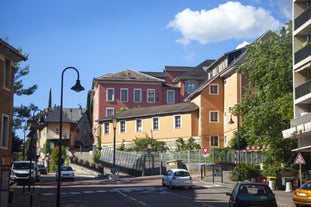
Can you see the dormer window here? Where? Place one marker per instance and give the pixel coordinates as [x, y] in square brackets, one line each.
[190, 86]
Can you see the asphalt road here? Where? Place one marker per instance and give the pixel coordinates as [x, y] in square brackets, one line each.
[126, 191]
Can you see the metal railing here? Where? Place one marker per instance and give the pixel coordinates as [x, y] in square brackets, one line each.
[137, 160]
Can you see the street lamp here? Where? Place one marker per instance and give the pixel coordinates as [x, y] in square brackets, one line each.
[239, 157]
[114, 124]
[33, 136]
[77, 88]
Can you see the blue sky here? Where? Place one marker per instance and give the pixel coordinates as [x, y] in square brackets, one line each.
[105, 36]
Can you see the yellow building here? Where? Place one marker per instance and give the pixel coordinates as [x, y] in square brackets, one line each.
[163, 123]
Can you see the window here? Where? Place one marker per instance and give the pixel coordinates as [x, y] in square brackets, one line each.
[190, 86]
[150, 95]
[214, 141]
[137, 95]
[170, 96]
[122, 126]
[177, 121]
[213, 89]
[109, 111]
[7, 74]
[110, 94]
[138, 125]
[5, 132]
[124, 95]
[214, 116]
[106, 129]
[155, 123]
[57, 131]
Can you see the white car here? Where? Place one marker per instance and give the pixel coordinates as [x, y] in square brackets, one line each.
[66, 172]
[177, 178]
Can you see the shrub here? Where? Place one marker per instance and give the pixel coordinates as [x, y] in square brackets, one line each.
[86, 163]
[247, 172]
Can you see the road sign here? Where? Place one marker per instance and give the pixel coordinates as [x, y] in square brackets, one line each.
[205, 150]
[299, 160]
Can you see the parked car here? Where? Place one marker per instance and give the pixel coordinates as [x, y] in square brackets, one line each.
[302, 195]
[177, 178]
[252, 194]
[20, 171]
[66, 172]
[42, 169]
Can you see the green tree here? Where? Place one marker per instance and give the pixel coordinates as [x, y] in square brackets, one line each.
[189, 145]
[140, 144]
[54, 158]
[267, 104]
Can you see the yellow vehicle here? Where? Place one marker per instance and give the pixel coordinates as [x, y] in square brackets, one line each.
[302, 195]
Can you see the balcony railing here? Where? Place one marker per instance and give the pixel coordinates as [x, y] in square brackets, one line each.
[303, 53]
[301, 120]
[303, 89]
[302, 18]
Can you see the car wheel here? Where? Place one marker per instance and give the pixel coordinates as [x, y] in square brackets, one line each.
[171, 186]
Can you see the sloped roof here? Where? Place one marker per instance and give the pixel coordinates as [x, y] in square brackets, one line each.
[161, 110]
[237, 58]
[160, 75]
[70, 115]
[178, 68]
[10, 52]
[128, 75]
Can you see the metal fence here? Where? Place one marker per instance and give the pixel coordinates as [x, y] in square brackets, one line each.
[142, 160]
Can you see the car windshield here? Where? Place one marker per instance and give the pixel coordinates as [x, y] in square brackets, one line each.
[306, 186]
[182, 173]
[22, 166]
[255, 190]
[66, 168]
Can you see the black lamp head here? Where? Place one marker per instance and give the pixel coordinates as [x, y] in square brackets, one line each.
[77, 87]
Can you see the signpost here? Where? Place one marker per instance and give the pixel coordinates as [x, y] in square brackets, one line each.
[299, 161]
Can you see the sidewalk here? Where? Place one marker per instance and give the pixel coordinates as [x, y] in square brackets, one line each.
[284, 199]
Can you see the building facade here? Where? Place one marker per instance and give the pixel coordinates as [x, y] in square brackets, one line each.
[300, 125]
[9, 57]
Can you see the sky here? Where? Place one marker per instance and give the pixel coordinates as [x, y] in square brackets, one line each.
[107, 36]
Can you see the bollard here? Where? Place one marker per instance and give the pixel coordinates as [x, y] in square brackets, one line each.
[288, 187]
[271, 184]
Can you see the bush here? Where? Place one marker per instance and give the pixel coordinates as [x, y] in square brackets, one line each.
[247, 172]
[86, 163]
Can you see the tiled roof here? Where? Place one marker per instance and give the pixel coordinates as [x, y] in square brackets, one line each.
[161, 110]
[160, 75]
[178, 68]
[128, 75]
[70, 115]
[11, 52]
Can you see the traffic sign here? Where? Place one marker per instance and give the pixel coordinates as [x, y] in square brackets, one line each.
[299, 160]
[205, 150]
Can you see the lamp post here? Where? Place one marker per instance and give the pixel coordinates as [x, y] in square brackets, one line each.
[33, 136]
[238, 129]
[114, 124]
[24, 130]
[77, 88]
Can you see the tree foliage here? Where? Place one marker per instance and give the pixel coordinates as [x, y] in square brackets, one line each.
[267, 104]
[140, 144]
[189, 145]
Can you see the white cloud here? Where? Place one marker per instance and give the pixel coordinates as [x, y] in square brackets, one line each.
[243, 44]
[227, 21]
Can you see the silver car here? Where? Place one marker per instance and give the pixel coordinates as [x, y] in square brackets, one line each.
[177, 178]
[66, 172]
